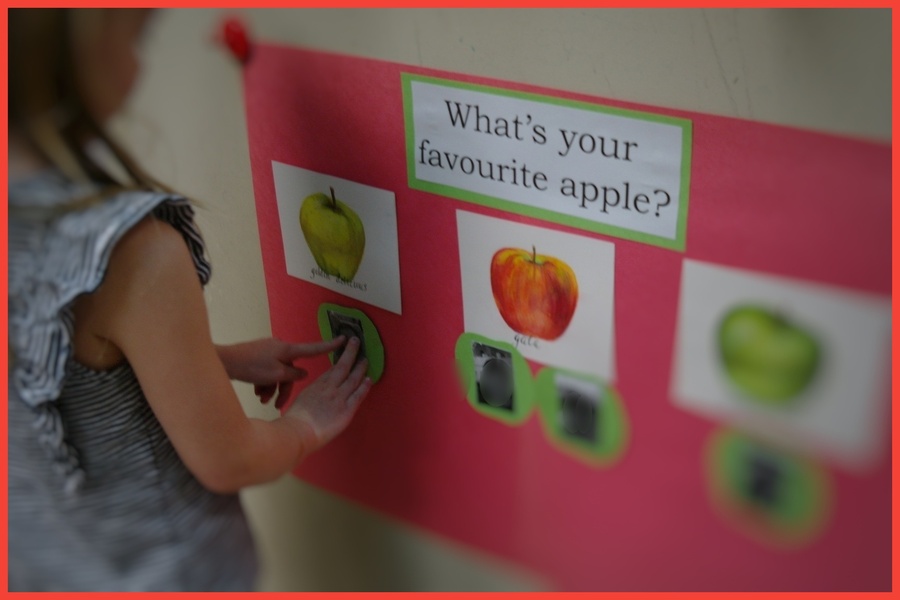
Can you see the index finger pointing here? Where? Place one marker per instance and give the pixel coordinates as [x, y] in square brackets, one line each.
[314, 349]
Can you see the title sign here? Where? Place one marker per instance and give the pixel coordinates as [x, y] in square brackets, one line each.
[608, 170]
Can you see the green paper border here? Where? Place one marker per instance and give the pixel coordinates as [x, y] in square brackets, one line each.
[523, 385]
[809, 495]
[614, 435]
[374, 345]
[686, 126]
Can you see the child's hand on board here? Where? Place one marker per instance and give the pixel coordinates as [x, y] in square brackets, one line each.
[269, 364]
[328, 404]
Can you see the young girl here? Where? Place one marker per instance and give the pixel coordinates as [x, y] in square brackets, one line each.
[127, 443]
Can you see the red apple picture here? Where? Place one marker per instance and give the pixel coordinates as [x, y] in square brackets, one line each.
[536, 294]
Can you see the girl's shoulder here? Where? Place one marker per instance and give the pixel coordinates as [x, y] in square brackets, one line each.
[59, 249]
[65, 232]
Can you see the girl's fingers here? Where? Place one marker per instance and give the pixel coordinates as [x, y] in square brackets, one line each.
[292, 373]
[295, 351]
[341, 368]
[264, 392]
[284, 392]
[354, 379]
[359, 393]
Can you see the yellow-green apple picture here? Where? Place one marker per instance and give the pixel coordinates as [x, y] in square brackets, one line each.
[334, 234]
[535, 294]
[767, 357]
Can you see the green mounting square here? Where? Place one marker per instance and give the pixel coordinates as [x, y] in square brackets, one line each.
[773, 496]
[496, 378]
[582, 415]
[334, 319]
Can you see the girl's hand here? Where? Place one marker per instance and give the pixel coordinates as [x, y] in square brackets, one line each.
[184, 376]
[269, 364]
[328, 404]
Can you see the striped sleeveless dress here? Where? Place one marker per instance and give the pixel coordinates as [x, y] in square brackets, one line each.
[98, 498]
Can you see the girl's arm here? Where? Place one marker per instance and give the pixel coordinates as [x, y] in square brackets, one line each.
[151, 307]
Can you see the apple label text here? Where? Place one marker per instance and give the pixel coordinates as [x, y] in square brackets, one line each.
[525, 340]
[316, 272]
[603, 169]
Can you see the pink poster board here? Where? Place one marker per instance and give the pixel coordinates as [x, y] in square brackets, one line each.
[792, 209]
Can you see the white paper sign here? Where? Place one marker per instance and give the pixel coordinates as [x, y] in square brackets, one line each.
[607, 170]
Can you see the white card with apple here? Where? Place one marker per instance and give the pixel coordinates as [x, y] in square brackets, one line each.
[799, 363]
[339, 234]
[548, 293]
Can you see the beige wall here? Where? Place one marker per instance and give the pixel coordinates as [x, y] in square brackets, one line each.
[828, 70]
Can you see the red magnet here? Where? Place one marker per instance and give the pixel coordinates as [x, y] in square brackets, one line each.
[234, 35]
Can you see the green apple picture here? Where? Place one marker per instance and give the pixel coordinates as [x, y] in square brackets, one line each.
[767, 357]
[334, 234]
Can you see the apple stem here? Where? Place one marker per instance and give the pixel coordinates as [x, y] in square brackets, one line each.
[333, 199]
[533, 254]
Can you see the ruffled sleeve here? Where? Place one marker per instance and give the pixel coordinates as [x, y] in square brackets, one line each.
[53, 260]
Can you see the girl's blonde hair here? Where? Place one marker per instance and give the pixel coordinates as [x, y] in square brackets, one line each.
[47, 107]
